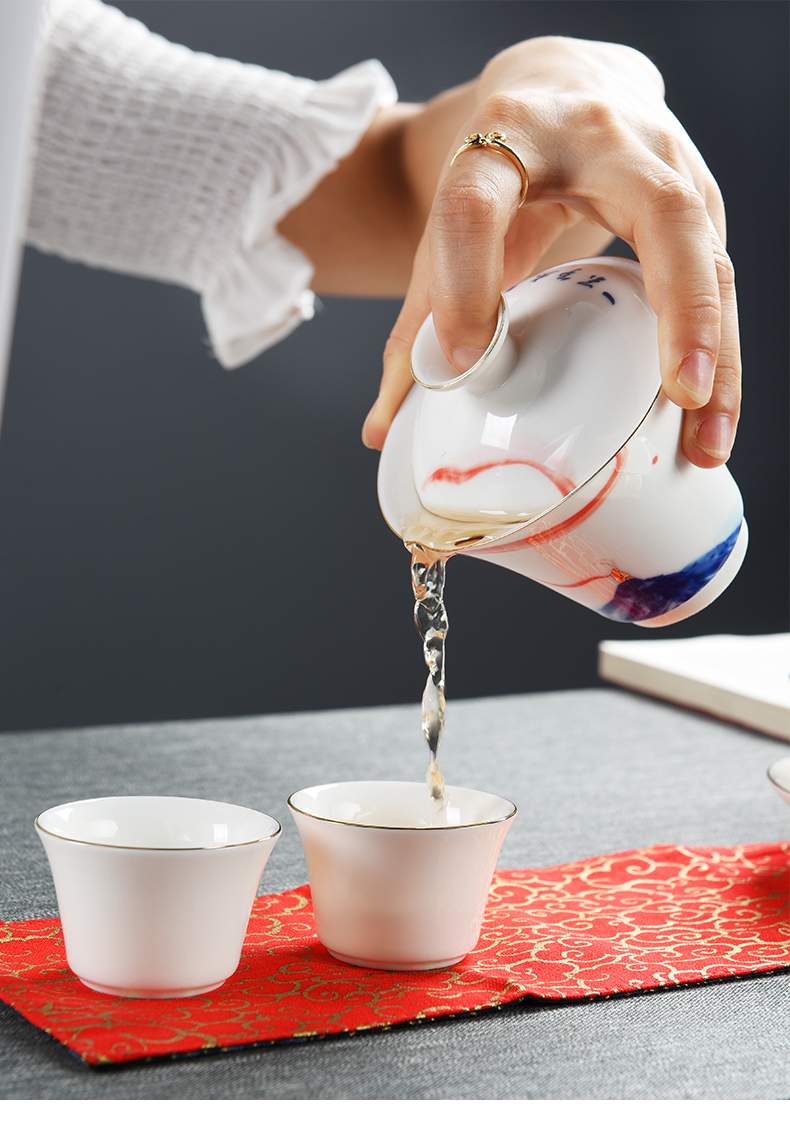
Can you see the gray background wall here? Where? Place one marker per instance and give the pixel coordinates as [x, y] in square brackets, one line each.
[178, 541]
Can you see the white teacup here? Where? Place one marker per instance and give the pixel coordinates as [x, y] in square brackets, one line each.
[779, 774]
[398, 883]
[155, 893]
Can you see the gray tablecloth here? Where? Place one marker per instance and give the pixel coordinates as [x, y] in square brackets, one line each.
[592, 772]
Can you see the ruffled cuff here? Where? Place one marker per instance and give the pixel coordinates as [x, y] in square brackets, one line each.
[260, 291]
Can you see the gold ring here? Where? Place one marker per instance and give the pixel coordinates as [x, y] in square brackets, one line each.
[498, 142]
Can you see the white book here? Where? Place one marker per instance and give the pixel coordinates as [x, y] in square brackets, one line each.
[740, 678]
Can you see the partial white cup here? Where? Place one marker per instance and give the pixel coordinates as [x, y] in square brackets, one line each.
[779, 774]
[398, 883]
[155, 893]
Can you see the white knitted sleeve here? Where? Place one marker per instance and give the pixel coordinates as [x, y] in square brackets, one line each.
[157, 161]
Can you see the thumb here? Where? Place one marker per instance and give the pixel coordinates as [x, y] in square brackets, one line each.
[396, 378]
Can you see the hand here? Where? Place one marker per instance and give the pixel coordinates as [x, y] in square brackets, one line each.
[605, 158]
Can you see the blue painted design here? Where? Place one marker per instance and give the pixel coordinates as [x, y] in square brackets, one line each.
[637, 599]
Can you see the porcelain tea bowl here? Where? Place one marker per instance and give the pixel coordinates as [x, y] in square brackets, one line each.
[155, 893]
[398, 883]
[779, 774]
[558, 456]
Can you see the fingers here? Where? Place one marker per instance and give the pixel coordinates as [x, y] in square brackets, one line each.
[460, 270]
[691, 286]
[670, 212]
[709, 431]
[616, 162]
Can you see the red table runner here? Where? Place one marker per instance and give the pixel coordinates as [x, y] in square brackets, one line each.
[645, 919]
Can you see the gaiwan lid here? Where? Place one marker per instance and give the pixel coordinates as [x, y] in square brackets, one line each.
[572, 371]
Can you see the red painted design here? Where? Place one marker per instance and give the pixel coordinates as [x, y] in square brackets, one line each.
[615, 574]
[541, 537]
[580, 583]
[458, 475]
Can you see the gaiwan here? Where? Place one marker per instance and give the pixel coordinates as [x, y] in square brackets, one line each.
[558, 455]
